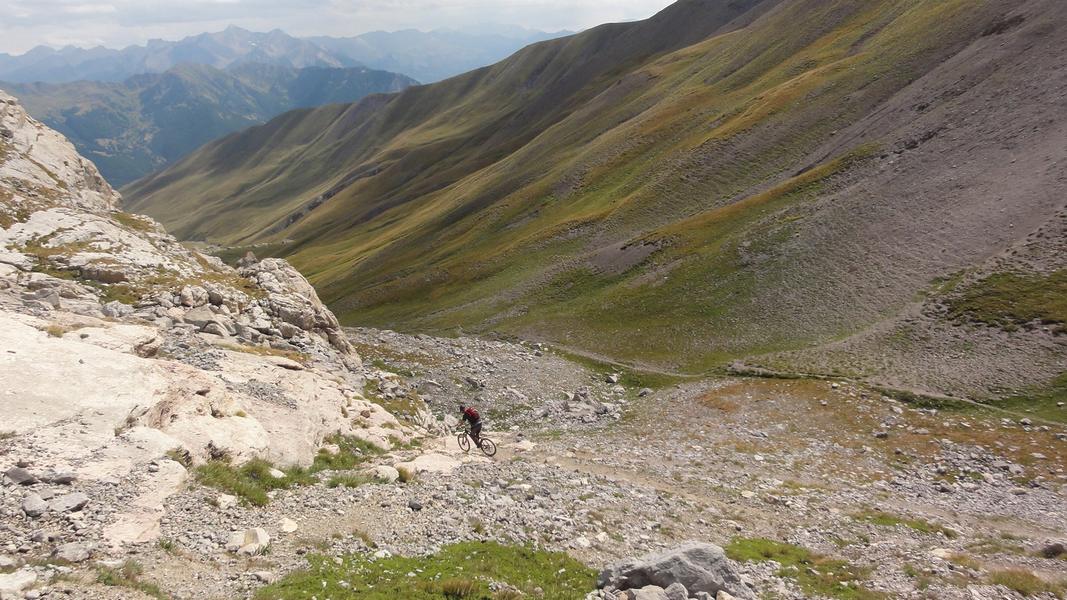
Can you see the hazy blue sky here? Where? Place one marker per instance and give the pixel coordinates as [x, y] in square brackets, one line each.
[116, 23]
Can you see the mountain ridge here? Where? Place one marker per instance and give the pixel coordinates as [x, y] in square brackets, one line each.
[426, 56]
[669, 189]
[142, 124]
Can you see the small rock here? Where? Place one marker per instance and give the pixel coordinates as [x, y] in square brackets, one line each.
[69, 503]
[34, 505]
[264, 576]
[644, 392]
[249, 542]
[612, 378]
[277, 474]
[385, 473]
[65, 478]
[288, 525]
[1053, 550]
[20, 476]
[415, 505]
[72, 552]
[676, 591]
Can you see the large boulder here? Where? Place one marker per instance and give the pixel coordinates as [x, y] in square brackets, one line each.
[291, 299]
[698, 566]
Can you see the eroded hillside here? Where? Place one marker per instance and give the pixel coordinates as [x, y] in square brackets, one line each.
[788, 183]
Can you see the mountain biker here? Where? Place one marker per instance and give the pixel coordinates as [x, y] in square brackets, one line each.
[471, 416]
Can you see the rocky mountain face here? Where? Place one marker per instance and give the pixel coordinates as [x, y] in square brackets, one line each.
[122, 345]
[798, 186]
[142, 124]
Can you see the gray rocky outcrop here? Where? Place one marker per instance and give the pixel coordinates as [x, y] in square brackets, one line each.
[699, 567]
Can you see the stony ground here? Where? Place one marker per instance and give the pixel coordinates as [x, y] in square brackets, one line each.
[923, 503]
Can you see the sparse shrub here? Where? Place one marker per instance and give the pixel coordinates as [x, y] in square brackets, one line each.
[349, 481]
[477, 525]
[240, 413]
[180, 456]
[56, 331]
[6, 435]
[128, 576]
[406, 474]
[365, 537]
[458, 588]
[167, 545]
[507, 594]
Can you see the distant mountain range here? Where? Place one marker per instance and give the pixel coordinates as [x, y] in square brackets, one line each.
[224, 49]
[135, 127]
[434, 55]
[426, 56]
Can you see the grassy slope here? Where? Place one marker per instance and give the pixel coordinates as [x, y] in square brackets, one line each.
[132, 128]
[611, 190]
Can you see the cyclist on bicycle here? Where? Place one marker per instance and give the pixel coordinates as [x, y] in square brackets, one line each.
[471, 416]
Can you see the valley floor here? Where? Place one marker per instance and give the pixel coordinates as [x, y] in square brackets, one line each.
[855, 494]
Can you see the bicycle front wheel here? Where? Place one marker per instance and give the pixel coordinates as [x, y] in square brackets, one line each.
[464, 442]
[488, 447]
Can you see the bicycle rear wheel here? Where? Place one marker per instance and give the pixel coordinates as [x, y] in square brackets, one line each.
[488, 447]
[464, 442]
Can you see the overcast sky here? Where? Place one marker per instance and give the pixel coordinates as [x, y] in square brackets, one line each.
[117, 23]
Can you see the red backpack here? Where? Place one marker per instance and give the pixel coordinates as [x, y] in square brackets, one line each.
[472, 414]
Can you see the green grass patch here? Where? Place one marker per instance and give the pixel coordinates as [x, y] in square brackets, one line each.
[349, 481]
[628, 376]
[404, 408]
[353, 453]
[1040, 401]
[438, 575]
[884, 519]
[816, 574]
[129, 576]
[251, 481]
[1011, 300]
[134, 222]
[1025, 582]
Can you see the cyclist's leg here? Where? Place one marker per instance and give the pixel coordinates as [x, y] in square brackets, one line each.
[476, 433]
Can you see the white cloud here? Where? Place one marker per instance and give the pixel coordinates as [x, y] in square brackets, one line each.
[117, 23]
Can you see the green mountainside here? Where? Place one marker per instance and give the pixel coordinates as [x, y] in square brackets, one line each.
[133, 128]
[726, 180]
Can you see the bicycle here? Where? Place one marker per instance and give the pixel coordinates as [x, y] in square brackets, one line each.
[486, 445]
